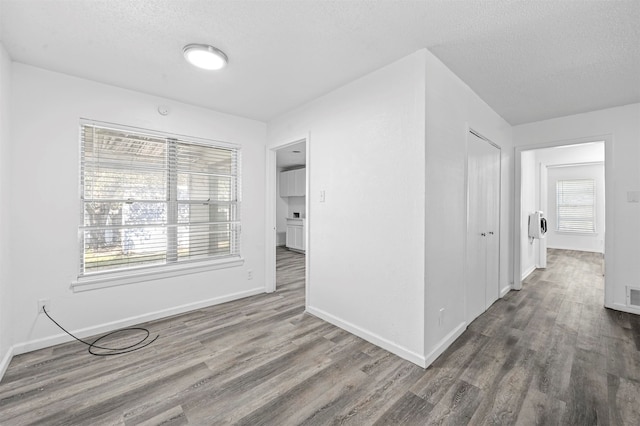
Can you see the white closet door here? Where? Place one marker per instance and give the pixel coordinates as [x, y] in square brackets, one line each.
[483, 223]
[476, 242]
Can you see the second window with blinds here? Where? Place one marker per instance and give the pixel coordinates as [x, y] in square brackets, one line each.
[576, 206]
[150, 200]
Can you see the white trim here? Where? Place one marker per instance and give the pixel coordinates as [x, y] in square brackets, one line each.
[528, 272]
[97, 281]
[504, 291]
[271, 192]
[392, 347]
[6, 360]
[271, 237]
[465, 270]
[159, 133]
[623, 308]
[558, 246]
[445, 343]
[543, 202]
[585, 233]
[307, 227]
[587, 163]
[45, 342]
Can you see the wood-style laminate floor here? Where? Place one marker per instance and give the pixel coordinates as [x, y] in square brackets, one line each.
[549, 354]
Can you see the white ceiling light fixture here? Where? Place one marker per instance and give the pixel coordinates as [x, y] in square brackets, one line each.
[205, 56]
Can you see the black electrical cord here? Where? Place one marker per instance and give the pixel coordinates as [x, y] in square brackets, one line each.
[113, 351]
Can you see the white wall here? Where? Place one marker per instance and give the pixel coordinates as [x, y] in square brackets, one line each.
[366, 269]
[390, 151]
[567, 241]
[46, 108]
[451, 109]
[529, 203]
[282, 211]
[621, 129]
[296, 205]
[5, 169]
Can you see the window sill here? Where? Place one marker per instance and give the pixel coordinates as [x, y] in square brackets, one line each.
[585, 233]
[97, 281]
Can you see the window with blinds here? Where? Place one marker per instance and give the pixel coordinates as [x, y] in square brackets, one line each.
[576, 205]
[149, 200]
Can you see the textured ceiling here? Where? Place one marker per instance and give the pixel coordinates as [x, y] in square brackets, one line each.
[529, 60]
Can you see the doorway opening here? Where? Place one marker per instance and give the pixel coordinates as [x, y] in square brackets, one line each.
[287, 242]
[564, 183]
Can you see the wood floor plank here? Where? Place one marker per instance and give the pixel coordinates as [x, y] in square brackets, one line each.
[446, 370]
[384, 386]
[508, 389]
[540, 409]
[623, 400]
[548, 354]
[623, 359]
[316, 397]
[172, 417]
[409, 410]
[587, 401]
[552, 373]
[458, 405]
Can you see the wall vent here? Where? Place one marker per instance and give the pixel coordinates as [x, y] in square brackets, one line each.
[633, 297]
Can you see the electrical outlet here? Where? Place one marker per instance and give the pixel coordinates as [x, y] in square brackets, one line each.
[44, 303]
[250, 274]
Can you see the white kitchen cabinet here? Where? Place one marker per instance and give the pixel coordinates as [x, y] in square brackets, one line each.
[283, 184]
[293, 183]
[296, 234]
[299, 182]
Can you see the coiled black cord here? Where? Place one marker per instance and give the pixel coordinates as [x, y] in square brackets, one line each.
[112, 351]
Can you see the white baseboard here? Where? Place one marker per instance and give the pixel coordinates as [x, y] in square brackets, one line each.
[623, 308]
[528, 272]
[445, 343]
[44, 342]
[504, 291]
[6, 359]
[392, 347]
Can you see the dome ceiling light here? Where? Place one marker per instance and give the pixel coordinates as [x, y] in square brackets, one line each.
[205, 56]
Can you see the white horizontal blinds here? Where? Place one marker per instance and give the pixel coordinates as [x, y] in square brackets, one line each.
[150, 200]
[576, 205]
[207, 198]
[124, 199]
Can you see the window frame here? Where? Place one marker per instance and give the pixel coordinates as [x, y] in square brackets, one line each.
[593, 206]
[141, 273]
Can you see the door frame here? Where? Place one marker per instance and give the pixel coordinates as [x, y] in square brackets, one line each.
[543, 203]
[609, 191]
[271, 192]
